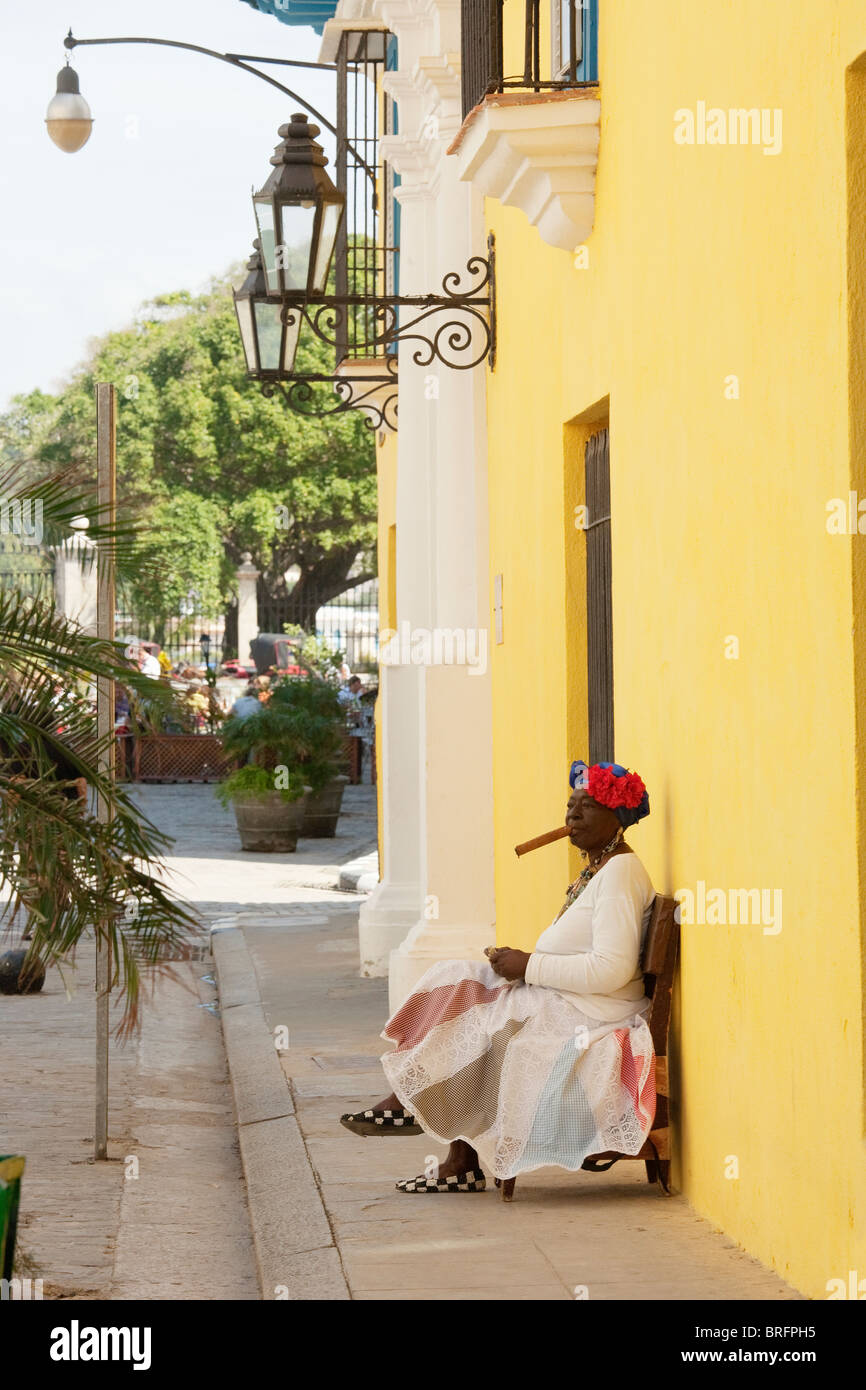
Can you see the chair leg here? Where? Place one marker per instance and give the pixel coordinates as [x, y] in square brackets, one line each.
[506, 1189]
[651, 1170]
[664, 1174]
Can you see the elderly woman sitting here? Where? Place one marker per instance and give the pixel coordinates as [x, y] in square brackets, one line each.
[542, 1057]
[537, 1058]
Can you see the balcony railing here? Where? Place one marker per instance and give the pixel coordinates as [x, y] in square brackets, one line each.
[572, 60]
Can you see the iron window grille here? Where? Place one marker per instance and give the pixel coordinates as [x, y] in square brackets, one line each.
[574, 56]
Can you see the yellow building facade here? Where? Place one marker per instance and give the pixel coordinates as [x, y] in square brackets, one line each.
[714, 320]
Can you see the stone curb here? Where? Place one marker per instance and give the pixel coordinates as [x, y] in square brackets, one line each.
[296, 1257]
[359, 875]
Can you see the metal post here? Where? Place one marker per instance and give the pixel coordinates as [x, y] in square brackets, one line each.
[106, 502]
[341, 250]
[527, 44]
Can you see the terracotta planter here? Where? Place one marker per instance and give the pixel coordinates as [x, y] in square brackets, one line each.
[323, 810]
[269, 824]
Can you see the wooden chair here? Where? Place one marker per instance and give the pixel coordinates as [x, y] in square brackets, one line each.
[658, 962]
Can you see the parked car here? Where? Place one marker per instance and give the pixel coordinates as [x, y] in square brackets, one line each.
[244, 670]
[276, 654]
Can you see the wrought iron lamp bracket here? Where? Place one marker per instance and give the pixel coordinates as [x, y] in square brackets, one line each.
[456, 328]
[374, 395]
[460, 342]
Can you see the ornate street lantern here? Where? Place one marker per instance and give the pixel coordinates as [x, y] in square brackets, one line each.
[298, 213]
[68, 116]
[269, 343]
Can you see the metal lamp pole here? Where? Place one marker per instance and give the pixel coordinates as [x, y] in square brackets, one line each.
[106, 496]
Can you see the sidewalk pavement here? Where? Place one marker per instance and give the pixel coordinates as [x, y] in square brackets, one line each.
[327, 1220]
[208, 866]
[174, 1223]
[165, 1216]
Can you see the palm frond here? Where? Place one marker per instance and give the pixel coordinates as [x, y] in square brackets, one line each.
[74, 875]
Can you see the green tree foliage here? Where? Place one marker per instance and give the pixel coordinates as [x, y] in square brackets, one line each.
[207, 464]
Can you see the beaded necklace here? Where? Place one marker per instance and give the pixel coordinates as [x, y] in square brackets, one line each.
[574, 890]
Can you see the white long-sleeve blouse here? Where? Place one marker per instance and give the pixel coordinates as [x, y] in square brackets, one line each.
[591, 954]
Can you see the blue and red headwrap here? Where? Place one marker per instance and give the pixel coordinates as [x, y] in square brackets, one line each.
[623, 792]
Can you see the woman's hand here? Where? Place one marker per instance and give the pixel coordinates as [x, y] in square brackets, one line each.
[511, 965]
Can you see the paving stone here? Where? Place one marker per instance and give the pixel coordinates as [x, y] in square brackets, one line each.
[181, 1229]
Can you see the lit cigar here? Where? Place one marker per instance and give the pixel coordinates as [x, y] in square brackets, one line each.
[558, 834]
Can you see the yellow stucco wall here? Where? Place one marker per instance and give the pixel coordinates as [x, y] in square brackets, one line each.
[707, 261]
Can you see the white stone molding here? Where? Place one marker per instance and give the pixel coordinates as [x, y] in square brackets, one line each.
[539, 154]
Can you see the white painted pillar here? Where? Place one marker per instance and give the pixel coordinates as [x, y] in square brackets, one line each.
[436, 901]
[75, 579]
[398, 900]
[248, 609]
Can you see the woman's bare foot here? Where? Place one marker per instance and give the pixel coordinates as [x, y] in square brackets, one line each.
[461, 1158]
[389, 1103]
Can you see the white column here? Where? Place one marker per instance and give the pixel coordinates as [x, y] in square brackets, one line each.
[437, 763]
[398, 900]
[75, 578]
[248, 610]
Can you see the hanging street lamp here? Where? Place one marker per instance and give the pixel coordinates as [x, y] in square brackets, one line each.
[269, 344]
[68, 116]
[304, 228]
[298, 213]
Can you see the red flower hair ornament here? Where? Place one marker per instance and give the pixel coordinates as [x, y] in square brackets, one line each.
[612, 786]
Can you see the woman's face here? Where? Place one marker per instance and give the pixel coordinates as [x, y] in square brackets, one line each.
[591, 825]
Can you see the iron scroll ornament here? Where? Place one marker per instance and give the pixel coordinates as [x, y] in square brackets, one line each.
[463, 341]
[374, 396]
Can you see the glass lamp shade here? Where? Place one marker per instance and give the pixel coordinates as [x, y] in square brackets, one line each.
[286, 232]
[298, 213]
[269, 344]
[68, 116]
[330, 216]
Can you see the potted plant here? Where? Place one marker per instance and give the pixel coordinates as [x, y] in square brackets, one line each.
[321, 724]
[269, 810]
[316, 704]
[284, 755]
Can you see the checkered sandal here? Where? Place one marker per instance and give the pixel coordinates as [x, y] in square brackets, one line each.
[381, 1122]
[460, 1182]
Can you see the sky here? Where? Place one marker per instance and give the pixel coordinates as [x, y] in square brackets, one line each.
[159, 197]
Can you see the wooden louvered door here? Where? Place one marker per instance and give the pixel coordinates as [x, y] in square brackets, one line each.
[599, 619]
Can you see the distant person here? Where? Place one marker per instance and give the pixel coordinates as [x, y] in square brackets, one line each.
[247, 704]
[148, 664]
[349, 694]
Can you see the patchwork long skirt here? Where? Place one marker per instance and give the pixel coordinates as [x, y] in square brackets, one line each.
[518, 1071]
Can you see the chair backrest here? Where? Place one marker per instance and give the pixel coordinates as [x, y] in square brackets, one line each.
[658, 963]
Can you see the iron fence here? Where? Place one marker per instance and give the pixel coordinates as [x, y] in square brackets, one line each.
[180, 635]
[29, 569]
[347, 621]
